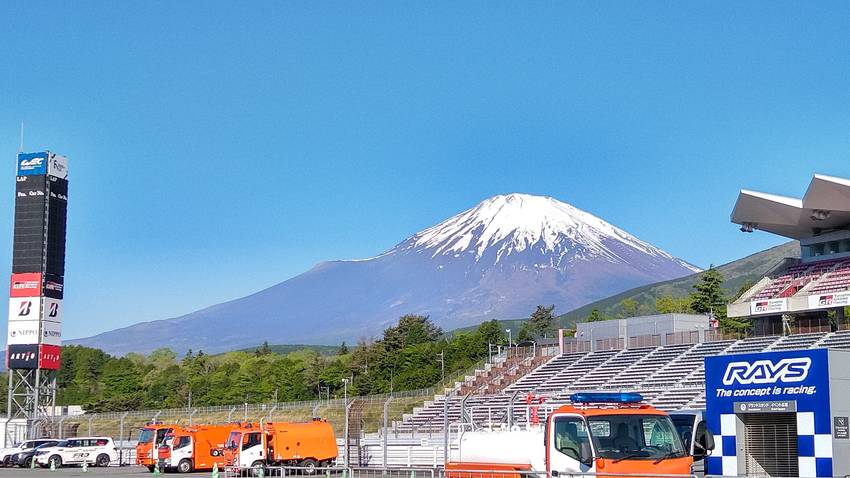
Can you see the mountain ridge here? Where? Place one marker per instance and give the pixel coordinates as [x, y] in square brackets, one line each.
[497, 259]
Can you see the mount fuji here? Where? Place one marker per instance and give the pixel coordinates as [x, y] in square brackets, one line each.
[497, 260]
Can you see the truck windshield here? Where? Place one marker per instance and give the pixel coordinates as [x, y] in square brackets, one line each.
[635, 436]
[146, 435]
[234, 440]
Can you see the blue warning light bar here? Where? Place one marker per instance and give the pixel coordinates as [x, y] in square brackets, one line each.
[621, 397]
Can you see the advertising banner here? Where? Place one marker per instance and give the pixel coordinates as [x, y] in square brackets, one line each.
[795, 381]
[25, 285]
[23, 332]
[22, 356]
[51, 333]
[57, 166]
[52, 310]
[54, 286]
[768, 306]
[24, 308]
[32, 164]
[49, 357]
[825, 301]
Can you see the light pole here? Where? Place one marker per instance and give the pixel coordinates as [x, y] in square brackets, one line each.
[442, 356]
[510, 339]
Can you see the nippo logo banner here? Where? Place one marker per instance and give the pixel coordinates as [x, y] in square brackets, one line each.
[51, 333]
[767, 306]
[52, 310]
[23, 332]
[57, 166]
[25, 285]
[32, 164]
[49, 357]
[24, 308]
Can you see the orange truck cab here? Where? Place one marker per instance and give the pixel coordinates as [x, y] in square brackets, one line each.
[151, 438]
[197, 448]
[598, 433]
[308, 444]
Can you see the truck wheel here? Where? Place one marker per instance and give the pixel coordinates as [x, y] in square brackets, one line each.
[102, 460]
[256, 467]
[309, 466]
[55, 460]
[185, 466]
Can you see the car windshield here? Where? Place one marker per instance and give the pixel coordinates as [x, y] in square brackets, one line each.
[146, 436]
[635, 436]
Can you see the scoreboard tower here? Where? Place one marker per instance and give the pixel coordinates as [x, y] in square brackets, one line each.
[36, 291]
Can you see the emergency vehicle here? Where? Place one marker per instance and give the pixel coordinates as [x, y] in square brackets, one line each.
[698, 441]
[308, 444]
[198, 448]
[150, 439]
[598, 433]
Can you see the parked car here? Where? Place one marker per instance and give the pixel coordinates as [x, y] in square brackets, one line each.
[24, 458]
[7, 453]
[97, 451]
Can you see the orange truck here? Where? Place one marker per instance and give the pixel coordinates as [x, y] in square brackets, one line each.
[197, 448]
[308, 444]
[150, 439]
[598, 433]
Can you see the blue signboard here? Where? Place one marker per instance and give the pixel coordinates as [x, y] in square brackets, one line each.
[794, 381]
[32, 164]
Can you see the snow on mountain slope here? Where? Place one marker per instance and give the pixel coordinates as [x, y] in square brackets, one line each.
[498, 260]
[517, 222]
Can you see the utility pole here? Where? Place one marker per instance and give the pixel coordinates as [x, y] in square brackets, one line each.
[442, 356]
[510, 340]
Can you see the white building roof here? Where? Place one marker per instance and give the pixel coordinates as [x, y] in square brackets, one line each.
[824, 207]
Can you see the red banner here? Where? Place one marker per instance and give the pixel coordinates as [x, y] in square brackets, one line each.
[26, 284]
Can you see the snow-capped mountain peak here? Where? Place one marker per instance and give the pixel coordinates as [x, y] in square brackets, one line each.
[516, 222]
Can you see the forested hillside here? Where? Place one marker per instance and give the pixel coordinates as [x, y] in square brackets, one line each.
[406, 357]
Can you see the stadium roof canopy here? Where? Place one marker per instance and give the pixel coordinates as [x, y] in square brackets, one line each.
[825, 207]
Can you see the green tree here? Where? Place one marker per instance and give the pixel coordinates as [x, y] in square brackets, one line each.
[629, 306]
[708, 295]
[343, 349]
[411, 330]
[595, 316]
[541, 320]
[747, 285]
[669, 305]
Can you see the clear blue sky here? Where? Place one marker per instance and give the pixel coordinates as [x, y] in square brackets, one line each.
[218, 148]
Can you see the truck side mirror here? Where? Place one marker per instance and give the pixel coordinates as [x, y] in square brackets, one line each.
[709, 442]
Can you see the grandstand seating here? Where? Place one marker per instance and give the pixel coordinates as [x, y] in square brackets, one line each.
[831, 275]
[669, 377]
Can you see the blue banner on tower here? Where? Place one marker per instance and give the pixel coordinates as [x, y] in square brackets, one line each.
[32, 164]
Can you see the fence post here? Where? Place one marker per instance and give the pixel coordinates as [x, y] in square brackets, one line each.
[273, 409]
[347, 444]
[61, 427]
[446, 429]
[121, 437]
[511, 410]
[90, 420]
[230, 415]
[192, 414]
[386, 429]
[315, 411]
